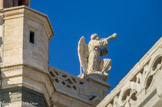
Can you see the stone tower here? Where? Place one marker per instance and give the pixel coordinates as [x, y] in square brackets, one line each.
[24, 35]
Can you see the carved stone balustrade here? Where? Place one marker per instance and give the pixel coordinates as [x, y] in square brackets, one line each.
[65, 82]
[72, 89]
[142, 86]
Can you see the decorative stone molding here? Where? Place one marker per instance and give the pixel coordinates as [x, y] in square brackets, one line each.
[139, 84]
[65, 81]
[21, 11]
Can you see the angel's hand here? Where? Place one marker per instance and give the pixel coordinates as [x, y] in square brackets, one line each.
[112, 37]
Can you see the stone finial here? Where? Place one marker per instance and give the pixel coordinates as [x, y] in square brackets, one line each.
[13, 3]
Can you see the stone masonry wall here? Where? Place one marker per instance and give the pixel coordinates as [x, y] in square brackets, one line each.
[35, 54]
[13, 41]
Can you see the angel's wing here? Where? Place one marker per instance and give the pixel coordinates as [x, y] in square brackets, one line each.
[83, 54]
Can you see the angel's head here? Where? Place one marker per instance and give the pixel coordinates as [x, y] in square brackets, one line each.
[95, 37]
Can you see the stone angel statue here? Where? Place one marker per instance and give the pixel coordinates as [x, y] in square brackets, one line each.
[89, 55]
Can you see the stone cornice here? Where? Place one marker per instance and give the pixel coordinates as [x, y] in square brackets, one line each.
[24, 75]
[56, 89]
[23, 11]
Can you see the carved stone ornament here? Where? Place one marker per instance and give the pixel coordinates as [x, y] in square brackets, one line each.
[89, 56]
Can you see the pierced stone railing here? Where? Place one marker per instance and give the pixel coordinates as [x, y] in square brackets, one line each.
[65, 82]
[141, 87]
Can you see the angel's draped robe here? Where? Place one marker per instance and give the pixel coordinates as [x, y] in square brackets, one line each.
[95, 63]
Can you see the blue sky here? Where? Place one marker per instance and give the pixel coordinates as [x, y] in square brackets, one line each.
[138, 24]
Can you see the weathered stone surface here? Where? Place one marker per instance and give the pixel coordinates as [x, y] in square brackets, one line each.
[12, 97]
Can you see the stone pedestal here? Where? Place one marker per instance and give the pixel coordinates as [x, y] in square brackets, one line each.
[96, 88]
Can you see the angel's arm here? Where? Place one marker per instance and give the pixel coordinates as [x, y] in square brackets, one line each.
[112, 37]
[101, 42]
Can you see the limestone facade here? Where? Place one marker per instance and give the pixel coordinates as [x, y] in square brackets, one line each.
[141, 87]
